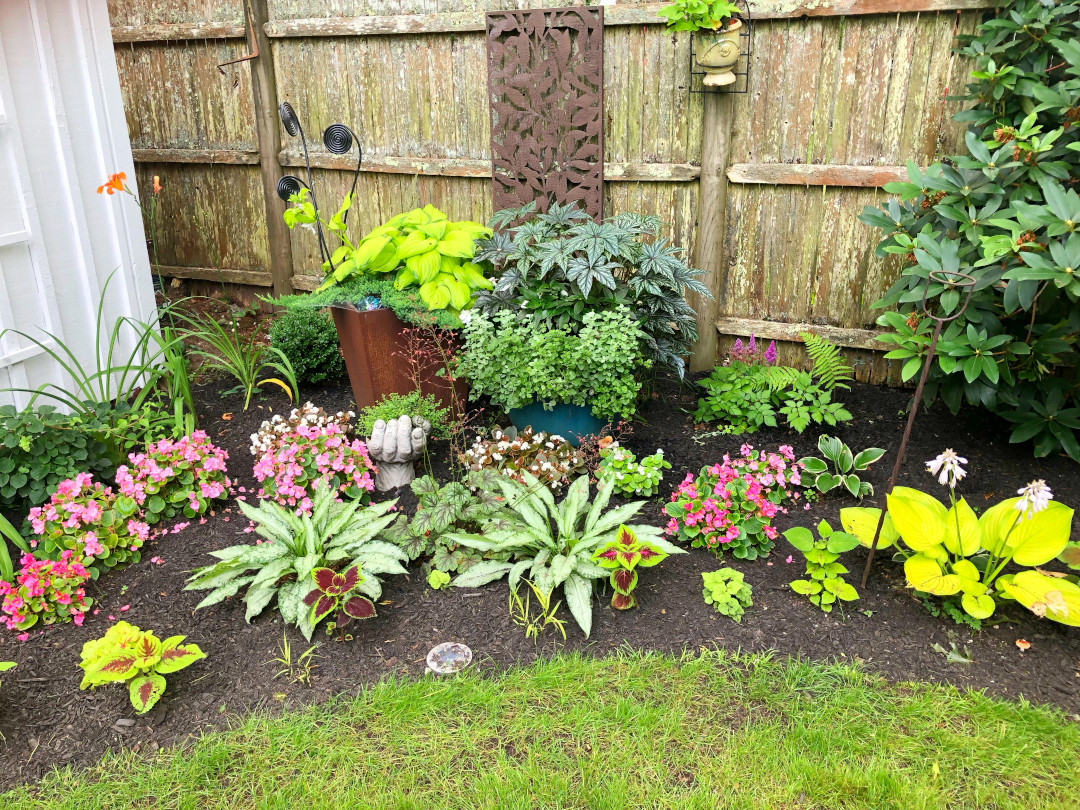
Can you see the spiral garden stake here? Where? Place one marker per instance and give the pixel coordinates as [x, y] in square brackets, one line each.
[338, 139]
[948, 278]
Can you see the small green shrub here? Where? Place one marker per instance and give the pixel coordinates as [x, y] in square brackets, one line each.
[412, 404]
[825, 574]
[310, 341]
[728, 592]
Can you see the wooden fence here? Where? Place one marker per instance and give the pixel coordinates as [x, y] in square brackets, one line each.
[841, 93]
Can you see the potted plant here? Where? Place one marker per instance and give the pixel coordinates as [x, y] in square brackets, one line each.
[716, 42]
[552, 378]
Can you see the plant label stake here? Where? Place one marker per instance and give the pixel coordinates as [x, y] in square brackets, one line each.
[947, 278]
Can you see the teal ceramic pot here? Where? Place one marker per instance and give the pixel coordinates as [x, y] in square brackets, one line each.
[572, 422]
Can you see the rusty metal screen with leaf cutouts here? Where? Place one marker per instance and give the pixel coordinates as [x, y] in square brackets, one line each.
[546, 88]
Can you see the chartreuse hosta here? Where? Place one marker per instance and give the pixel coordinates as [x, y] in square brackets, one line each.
[138, 658]
[552, 544]
[335, 535]
[951, 552]
[422, 246]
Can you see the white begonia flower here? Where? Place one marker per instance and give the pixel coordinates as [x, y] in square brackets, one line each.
[947, 468]
[466, 317]
[1035, 497]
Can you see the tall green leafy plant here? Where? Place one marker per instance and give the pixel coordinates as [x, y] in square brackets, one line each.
[1006, 212]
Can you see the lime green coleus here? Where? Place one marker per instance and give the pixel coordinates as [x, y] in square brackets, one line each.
[423, 247]
[950, 551]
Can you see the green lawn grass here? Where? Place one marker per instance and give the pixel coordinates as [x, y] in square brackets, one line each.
[631, 731]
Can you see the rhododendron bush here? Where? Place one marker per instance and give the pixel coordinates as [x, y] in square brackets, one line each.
[174, 477]
[85, 517]
[731, 505]
[295, 454]
[49, 591]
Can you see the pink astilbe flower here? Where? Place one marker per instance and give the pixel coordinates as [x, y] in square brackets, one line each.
[770, 354]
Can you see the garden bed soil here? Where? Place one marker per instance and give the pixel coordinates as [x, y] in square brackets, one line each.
[46, 721]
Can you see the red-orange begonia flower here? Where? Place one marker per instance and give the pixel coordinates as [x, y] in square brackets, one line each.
[114, 183]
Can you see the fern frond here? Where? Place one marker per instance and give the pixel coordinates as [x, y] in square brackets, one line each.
[777, 378]
[829, 366]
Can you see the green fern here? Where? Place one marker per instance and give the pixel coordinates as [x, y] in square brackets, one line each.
[778, 378]
[829, 366]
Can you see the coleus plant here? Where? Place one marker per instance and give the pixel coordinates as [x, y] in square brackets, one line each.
[825, 584]
[625, 554]
[951, 552]
[138, 658]
[338, 591]
[843, 469]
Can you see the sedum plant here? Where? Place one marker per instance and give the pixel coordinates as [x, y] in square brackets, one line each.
[950, 552]
[728, 591]
[552, 544]
[623, 556]
[839, 467]
[825, 585]
[558, 266]
[137, 658]
[296, 545]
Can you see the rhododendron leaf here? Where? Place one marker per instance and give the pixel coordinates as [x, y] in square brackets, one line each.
[324, 578]
[175, 655]
[145, 691]
[924, 574]
[919, 518]
[1051, 597]
[357, 607]
[970, 539]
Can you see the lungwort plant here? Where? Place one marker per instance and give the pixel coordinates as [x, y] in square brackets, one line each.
[137, 658]
[839, 467]
[551, 544]
[334, 534]
[558, 266]
[950, 552]
[624, 555]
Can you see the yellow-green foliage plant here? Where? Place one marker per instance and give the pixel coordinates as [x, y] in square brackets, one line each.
[423, 247]
[950, 552]
[137, 658]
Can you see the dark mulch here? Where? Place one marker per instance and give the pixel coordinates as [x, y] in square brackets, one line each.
[45, 720]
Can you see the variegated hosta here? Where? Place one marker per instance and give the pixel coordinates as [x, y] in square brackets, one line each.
[334, 534]
[949, 551]
[126, 654]
[623, 556]
[552, 544]
[336, 590]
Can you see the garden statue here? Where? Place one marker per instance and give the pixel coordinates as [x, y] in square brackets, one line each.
[394, 446]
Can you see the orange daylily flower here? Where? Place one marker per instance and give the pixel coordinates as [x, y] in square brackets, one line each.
[157, 184]
[114, 183]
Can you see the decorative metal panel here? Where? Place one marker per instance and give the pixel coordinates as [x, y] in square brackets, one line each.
[546, 86]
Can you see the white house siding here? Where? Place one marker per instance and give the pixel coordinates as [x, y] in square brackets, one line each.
[62, 133]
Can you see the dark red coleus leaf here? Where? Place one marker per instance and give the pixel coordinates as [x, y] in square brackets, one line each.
[647, 553]
[309, 600]
[623, 601]
[352, 578]
[324, 578]
[324, 606]
[609, 553]
[359, 607]
[623, 579]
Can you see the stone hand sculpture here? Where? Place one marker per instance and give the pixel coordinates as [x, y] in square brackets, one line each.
[394, 446]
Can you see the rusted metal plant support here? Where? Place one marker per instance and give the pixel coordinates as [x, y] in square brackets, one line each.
[955, 280]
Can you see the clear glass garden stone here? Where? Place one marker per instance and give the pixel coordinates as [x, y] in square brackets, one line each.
[449, 658]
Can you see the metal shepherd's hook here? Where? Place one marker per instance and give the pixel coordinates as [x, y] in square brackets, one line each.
[951, 280]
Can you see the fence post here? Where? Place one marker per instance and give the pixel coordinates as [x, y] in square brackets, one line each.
[264, 95]
[712, 222]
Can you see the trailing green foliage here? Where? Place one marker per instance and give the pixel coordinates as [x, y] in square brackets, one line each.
[727, 590]
[406, 304]
[298, 544]
[415, 404]
[309, 340]
[558, 266]
[825, 585]
[843, 464]
[623, 556]
[515, 363]
[552, 544]
[137, 658]
[1005, 213]
[694, 15]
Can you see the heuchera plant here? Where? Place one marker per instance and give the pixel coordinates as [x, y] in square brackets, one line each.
[308, 454]
[85, 517]
[138, 658]
[49, 591]
[174, 477]
[632, 477]
[732, 504]
[338, 591]
[548, 457]
[625, 554]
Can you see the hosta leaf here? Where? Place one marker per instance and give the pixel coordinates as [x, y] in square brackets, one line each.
[145, 691]
[924, 573]
[962, 518]
[1051, 597]
[981, 606]
[862, 523]
[918, 517]
[1033, 541]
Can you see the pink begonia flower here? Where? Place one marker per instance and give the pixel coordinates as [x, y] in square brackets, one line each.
[125, 608]
[23, 636]
[157, 560]
[111, 618]
[790, 559]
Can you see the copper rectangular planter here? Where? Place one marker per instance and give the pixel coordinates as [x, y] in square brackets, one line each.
[375, 349]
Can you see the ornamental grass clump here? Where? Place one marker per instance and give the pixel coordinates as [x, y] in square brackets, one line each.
[86, 518]
[48, 591]
[175, 477]
[295, 454]
[548, 457]
[731, 505]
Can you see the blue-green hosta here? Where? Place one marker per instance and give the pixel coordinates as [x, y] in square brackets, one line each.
[334, 535]
[950, 551]
[552, 544]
